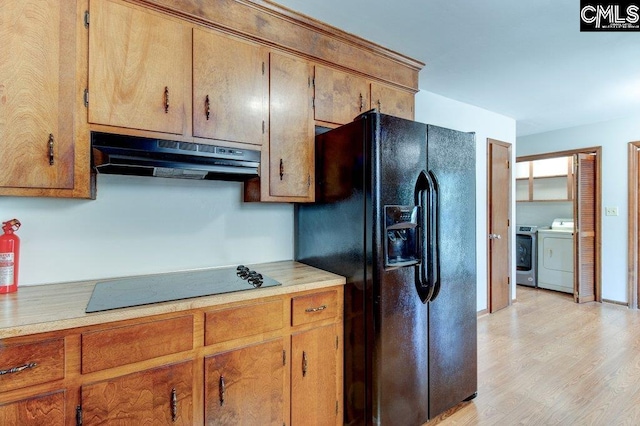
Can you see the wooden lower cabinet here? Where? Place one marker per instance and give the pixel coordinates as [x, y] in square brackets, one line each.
[268, 361]
[159, 396]
[41, 410]
[315, 361]
[246, 386]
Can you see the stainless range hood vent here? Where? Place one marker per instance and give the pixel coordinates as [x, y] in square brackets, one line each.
[137, 156]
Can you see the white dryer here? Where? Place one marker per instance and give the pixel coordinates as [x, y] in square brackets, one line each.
[555, 256]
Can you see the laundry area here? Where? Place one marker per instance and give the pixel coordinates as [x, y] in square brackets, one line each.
[545, 225]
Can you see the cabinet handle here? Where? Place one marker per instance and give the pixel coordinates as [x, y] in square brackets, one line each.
[361, 102]
[281, 169]
[305, 363]
[317, 309]
[174, 405]
[51, 149]
[166, 99]
[19, 369]
[222, 390]
[207, 107]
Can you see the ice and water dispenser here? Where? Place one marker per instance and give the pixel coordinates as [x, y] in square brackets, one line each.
[402, 235]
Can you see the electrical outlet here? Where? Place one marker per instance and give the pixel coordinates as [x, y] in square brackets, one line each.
[611, 211]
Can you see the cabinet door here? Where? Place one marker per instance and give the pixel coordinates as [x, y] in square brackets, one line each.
[339, 97]
[37, 92]
[291, 139]
[139, 68]
[159, 396]
[392, 101]
[314, 364]
[246, 386]
[45, 410]
[230, 88]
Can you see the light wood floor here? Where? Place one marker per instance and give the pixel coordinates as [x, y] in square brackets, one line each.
[546, 360]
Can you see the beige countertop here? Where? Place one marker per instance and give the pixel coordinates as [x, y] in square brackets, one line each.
[43, 308]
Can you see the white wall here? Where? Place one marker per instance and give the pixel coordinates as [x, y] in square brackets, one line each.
[444, 112]
[142, 225]
[613, 136]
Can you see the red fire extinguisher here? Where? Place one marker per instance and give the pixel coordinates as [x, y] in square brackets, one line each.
[9, 256]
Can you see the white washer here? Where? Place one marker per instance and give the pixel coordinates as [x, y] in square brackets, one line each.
[555, 256]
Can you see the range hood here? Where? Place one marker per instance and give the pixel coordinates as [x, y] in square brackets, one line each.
[131, 155]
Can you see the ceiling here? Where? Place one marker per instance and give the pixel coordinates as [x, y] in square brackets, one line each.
[525, 60]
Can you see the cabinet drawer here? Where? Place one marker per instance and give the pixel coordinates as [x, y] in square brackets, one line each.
[31, 364]
[235, 323]
[314, 307]
[113, 347]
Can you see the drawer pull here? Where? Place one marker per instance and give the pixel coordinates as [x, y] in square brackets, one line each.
[318, 309]
[222, 390]
[166, 99]
[207, 107]
[174, 405]
[18, 369]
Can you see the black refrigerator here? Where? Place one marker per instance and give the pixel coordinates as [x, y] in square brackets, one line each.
[395, 215]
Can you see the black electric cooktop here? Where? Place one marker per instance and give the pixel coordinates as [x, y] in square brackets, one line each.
[144, 290]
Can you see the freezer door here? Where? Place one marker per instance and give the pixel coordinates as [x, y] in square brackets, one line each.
[400, 318]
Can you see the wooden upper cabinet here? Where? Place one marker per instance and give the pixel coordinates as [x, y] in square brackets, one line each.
[392, 101]
[139, 68]
[291, 140]
[230, 88]
[339, 96]
[37, 92]
[163, 395]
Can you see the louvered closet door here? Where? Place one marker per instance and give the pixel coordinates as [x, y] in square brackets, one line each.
[585, 241]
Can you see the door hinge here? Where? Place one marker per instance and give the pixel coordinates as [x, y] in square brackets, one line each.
[86, 97]
[337, 342]
[313, 103]
[337, 407]
[308, 181]
[508, 164]
[263, 127]
[263, 68]
[284, 357]
[313, 82]
[86, 19]
[508, 280]
[79, 415]
[508, 223]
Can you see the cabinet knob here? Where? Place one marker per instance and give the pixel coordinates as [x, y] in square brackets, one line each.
[222, 389]
[174, 405]
[51, 149]
[305, 363]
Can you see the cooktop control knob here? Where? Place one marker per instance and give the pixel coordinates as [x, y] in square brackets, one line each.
[255, 279]
[242, 271]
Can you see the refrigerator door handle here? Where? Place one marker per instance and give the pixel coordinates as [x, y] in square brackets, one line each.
[433, 252]
[424, 191]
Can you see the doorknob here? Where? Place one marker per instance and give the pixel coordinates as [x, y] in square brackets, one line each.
[497, 236]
